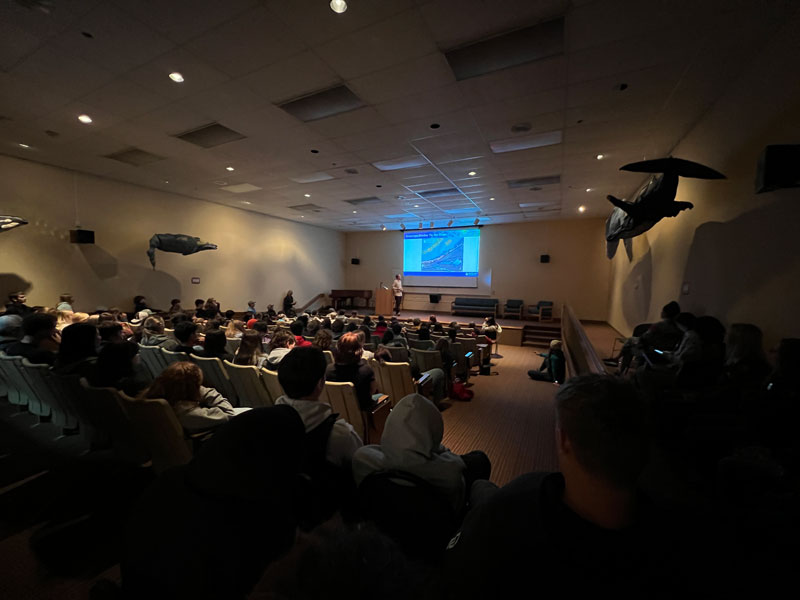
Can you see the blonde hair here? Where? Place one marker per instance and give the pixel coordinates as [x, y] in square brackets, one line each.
[234, 327]
[555, 345]
[80, 317]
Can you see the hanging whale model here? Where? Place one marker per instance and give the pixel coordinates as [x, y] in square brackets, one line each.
[176, 242]
[654, 201]
[7, 222]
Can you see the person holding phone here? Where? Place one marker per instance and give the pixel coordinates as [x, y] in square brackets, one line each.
[553, 366]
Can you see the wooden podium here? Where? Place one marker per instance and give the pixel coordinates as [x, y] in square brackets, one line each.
[384, 301]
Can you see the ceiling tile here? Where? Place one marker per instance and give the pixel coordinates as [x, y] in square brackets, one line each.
[291, 78]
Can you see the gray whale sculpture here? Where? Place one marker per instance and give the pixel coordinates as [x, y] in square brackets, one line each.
[654, 201]
[7, 222]
[176, 242]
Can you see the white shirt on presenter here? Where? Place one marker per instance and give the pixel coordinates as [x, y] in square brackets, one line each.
[397, 289]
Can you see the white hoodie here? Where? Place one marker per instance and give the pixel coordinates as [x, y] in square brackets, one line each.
[412, 442]
[343, 441]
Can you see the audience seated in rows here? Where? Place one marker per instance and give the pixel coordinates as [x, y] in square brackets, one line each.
[16, 305]
[65, 302]
[198, 408]
[215, 346]
[119, 366]
[323, 340]
[235, 329]
[188, 340]
[297, 330]
[10, 331]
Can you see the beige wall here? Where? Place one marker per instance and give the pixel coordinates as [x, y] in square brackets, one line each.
[258, 258]
[736, 250]
[578, 272]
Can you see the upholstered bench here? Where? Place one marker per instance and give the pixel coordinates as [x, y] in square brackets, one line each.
[475, 306]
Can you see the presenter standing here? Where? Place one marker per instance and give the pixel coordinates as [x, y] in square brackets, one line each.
[397, 289]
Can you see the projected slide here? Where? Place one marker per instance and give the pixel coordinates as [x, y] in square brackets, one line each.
[441, 255]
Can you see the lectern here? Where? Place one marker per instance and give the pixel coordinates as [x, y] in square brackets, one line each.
[384, 301]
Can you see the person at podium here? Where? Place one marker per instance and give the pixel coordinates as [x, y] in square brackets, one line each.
[397, 290]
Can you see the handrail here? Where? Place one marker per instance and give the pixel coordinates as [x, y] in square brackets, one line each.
[581, 356]
[300, 309]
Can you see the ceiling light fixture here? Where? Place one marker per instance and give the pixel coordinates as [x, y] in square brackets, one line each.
[355, 211]
[338, 6]
[85, 119]
[472, 173]
[246, 202]
[600, 156]
[307, 195]
[176, 77]
[581, 208]
[589, 189]
[23, 146]
[383, 227]
[491, 199]
[229, 169]
[416, 206]
[166, 181]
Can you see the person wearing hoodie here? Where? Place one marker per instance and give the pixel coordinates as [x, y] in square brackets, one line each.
[280, 345]
[553, 366]
[301, 374]
[153, 334]
[412, 443]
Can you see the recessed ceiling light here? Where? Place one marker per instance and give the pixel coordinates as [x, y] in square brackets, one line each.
[302, 216]
[581, 208]
[176, 77]
[589, 189]
[246, 202]
[355, 211]
[338, 6]
[472, 173]
[85, 119]
[307, 195]
[24, 146]
[166, 181]
[491, 199]
[383, 227]
[600, 156]
[416, 206]
[229, 169]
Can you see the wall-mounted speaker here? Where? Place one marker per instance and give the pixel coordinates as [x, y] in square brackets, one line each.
[81, 236]
[435, 298]
[778, 167]
[355, 261]
[544, 258]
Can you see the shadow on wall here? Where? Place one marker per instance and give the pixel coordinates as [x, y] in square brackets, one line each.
[11, 283]
[637, 290]
[104, 265]
[730, 260]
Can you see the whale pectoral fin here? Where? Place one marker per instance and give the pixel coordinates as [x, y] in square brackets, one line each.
[620, 204]
[684, 205]
[628, 243]
[611, 247]
[151, 253]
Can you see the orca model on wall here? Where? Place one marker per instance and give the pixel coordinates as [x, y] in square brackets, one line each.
[654, 201]
[7, 222]
[176, 242]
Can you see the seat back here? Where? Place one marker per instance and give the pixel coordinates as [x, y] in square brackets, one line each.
[470, 345]
[156, 427]
[173, 357]
[328, 356]
[394, 379]
[102, 410]
[232, 345]
[399, 353]
[36, 405]
[412, 335]
[462, 364]
[170, 333]
[427, 359]
[409, 510]
[16, 392]
[43, 381]
[215, 375]
[153, 360]
[272, 385]
[421, 344]
[249, 388]
[342, 399]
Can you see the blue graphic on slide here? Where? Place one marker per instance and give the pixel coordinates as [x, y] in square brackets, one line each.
[450, 253]
[443, 254]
